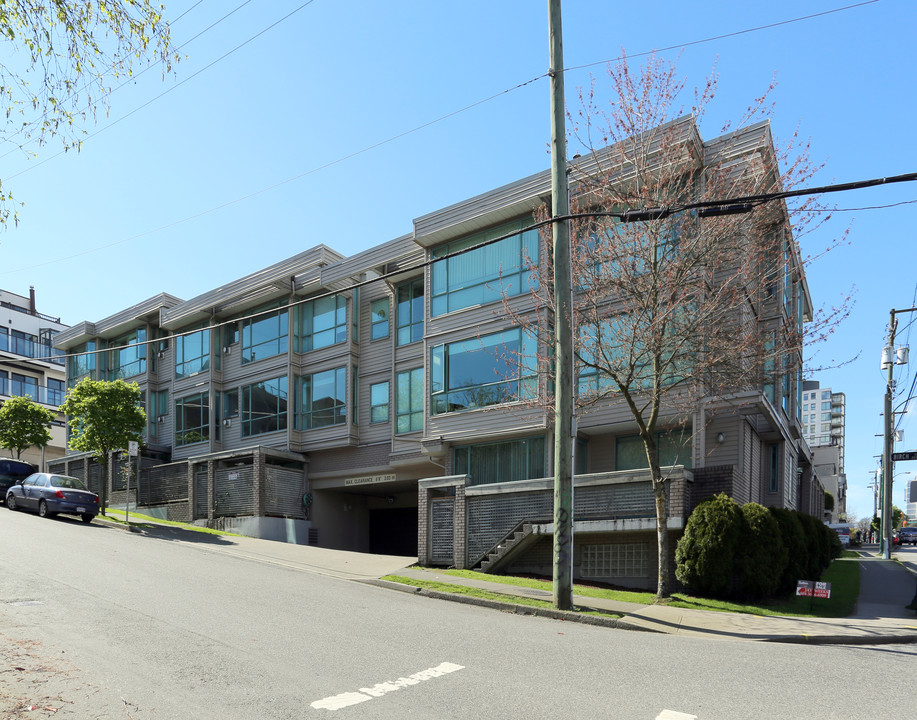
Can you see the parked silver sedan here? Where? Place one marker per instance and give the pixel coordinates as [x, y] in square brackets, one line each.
[49, 494]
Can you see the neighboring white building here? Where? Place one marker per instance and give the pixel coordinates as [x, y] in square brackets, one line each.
[30, 365]
[824, 414]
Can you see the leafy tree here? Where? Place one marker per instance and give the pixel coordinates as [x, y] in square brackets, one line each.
[104, 415]
[24, 424]
[672, 308]
[62, 57]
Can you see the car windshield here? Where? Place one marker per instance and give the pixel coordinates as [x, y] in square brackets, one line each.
[63, 481]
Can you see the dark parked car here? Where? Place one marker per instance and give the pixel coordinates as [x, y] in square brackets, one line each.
[12, 471]
[49, 494]
[907, 535]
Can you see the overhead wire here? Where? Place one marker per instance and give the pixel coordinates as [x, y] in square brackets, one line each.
[381, 143]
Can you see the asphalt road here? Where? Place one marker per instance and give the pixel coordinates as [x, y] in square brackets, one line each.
[96, 622]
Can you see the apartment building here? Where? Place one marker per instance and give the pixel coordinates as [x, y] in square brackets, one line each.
[31, 366]
[824, 420]
[367, 403]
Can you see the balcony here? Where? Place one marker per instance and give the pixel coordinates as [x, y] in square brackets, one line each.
[41, 394]
[31, 349]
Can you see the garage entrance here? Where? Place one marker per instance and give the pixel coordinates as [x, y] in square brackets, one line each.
[393, 531]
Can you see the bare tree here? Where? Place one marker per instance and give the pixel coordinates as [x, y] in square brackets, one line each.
[676, 308]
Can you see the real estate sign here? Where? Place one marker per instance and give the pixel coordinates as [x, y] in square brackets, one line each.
[810, 588]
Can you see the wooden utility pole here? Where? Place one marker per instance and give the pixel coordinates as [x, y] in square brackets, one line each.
[563, 326]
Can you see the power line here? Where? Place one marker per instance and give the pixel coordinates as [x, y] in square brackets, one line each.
[626, 215]
[367, 148]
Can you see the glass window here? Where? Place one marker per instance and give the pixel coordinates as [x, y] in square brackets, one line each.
[378, 311]
[486, 274]
[230, 404]
[378, 402]
[82, 363]
[321, 322]
[192, 419]
[410, 312]
[265, 336]
[409, 401]
[673, 448]
[264, 407]
[192, 353]
[506, 461]
[128, 355]
[159, 408]
[826, 406]
[774, 469]
[484, 371]
[55, 391]
[323, 399]
[24, 385]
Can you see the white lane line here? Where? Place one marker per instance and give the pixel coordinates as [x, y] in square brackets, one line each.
[336, 702]
[672, 715]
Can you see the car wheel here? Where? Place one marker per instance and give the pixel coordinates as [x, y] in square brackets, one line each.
[43, 510]
[11, 502]
[87, 518]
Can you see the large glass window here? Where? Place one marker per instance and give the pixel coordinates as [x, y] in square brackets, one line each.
[264, 407]
[24, 385]
[192, 419]
[265, 336]
[378, 312]
[56, 390]
[673, 448]
[378, 402]
[486, 274]
[475, 373]
[409, 401]
[410, 311]
[321, 322]
[159, 409]
[506, 461]
[82, 363]
[127, 356]
[323, 399]
[192, 353]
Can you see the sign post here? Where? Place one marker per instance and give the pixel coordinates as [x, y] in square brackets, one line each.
[133, 450]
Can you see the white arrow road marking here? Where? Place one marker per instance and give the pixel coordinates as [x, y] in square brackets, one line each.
[336, 702]
[672, 715]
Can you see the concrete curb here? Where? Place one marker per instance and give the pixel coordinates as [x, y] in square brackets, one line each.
[624, 624]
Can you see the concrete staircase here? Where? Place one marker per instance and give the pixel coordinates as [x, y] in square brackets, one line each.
[522, 537]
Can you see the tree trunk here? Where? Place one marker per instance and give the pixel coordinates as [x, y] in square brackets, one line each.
[662, 539]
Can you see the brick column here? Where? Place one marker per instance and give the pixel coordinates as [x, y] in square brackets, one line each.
[258, 481]
[459, 538]
[423, 524]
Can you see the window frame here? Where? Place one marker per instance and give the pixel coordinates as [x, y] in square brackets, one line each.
[409, 313]
[306, 315]
[276, 341]
[374, 405]
[409, 386]
[276, 420]
[203, 428]
[337, 410]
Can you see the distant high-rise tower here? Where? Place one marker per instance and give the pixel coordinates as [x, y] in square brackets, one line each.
[823, 419]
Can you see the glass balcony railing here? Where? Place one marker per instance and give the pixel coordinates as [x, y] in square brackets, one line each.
[31, 349]
[39, 393]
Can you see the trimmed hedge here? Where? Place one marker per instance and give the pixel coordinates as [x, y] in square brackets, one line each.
[751, 552]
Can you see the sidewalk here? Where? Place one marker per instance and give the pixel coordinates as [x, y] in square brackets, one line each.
[881, 617]
[886, 588]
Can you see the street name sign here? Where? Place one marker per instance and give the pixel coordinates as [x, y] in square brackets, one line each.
[909, 455]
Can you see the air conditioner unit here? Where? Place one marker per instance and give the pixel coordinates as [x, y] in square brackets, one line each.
[161, 418]
[160, 354]
[226, 349]
[227, 422]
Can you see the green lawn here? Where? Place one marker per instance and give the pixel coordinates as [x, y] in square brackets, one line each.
[843, 574]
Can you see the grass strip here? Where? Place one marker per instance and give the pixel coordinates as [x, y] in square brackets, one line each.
[468, 591]
[843, 574]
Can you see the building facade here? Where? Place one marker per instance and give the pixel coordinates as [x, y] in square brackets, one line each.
[824, 415]
[31, 366]
[370, 403]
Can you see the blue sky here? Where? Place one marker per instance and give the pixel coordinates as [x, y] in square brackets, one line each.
[345, 121]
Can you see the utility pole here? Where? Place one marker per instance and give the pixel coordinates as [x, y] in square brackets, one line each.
[563, 325]
[890, 357]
